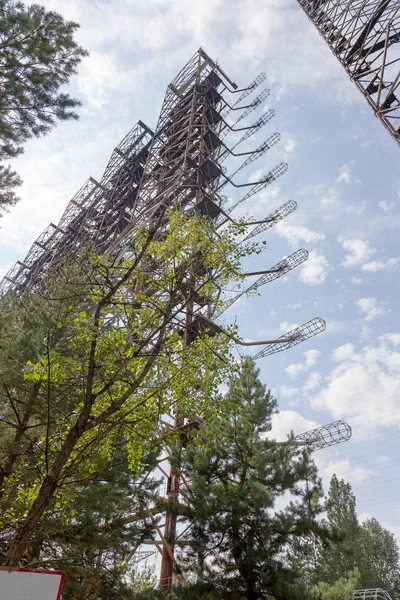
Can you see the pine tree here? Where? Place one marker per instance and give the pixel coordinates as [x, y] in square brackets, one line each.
[341, 555]
[378, 558]
[9, 180]
[94, 540]
[342, 589]
[249, 499]
[38, 55]
[369, 547]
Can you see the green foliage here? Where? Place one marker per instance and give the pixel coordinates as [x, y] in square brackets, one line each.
[9, 180]
[109, 518]
[341, 506]
[194, 591]
[342, 589]
[38, 55]
[241, 524]
[100, 356]
[341, 556]
[368, 548]
[378, 558]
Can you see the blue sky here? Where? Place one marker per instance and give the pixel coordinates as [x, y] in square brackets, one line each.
[343, 172]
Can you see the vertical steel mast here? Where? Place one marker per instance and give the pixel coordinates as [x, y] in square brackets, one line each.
[364, 35]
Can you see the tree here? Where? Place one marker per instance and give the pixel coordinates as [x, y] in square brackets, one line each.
[38, 56]
[9, 180]
[341, 555]
[369, 547]
[99, 354]
[249, 498]
[379, 558]
[342, 589]
[110, 518]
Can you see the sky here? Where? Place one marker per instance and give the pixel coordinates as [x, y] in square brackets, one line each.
[343, 173]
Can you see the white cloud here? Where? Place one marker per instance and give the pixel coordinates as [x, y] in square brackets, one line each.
[295, 234]
[287, 391]
[314, 271]
[371, 309]
[310, 358]
[313, 382]
[343, 469]
[255, 175]
[356, 280]
[344, 175]
[294, 369]
[286, 421]
[366, 333]
[391, 338]
[285, 326]
[363, 388]
[290, 145]
[330, 197]
[359, 252]
[280, 92]
[380, 265]
[382, 460]
[344, 352]
[98, 77]
[362, 517]
[385, 205]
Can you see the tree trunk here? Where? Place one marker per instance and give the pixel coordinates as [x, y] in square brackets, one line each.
[21, 428]
[50, 483]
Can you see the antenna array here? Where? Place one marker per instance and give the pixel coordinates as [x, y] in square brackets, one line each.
[178, 165]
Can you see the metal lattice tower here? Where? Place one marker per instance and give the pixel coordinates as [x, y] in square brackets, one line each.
[365, 37]
[178, 165]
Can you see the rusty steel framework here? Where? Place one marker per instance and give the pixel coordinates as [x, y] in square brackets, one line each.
[99, 212]
[365, 37]
[178, 165]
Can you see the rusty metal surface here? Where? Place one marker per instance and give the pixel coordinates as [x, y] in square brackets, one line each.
[364, 35]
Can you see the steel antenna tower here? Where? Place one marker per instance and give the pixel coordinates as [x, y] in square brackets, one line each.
[364, 35]
[176, 165]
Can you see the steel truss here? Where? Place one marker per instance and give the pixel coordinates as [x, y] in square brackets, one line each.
[293, 337]
[283, 267]
[98, 213]
[364, 35]
[179, 165]
[325, 436]
[371, 594]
